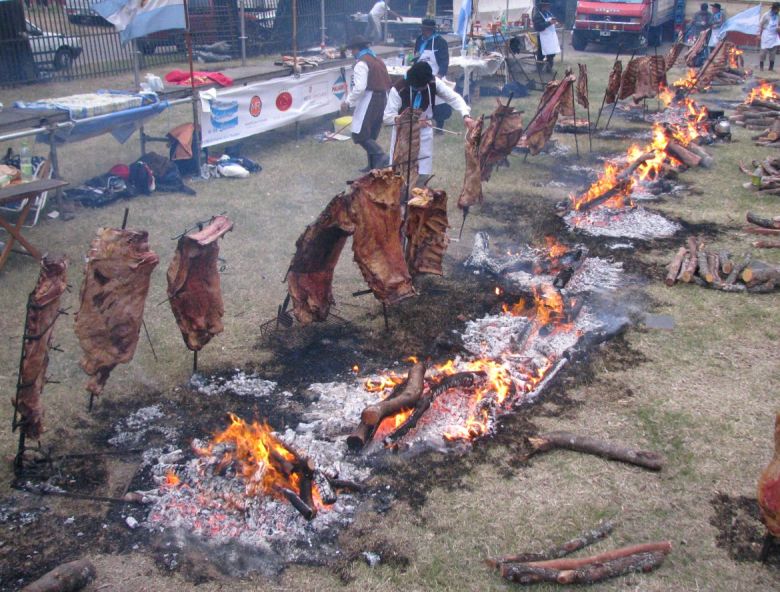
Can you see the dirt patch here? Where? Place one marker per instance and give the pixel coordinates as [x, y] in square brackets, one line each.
[740, 531]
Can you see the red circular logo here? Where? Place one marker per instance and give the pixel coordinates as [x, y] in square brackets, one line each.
[284, 101]
[255, 106]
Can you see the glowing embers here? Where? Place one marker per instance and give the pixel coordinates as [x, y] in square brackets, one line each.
[763, 92]
[609, 190]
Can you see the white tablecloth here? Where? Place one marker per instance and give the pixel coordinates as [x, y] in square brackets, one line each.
[486, 65]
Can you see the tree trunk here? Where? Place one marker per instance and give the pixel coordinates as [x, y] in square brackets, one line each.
[675, 266]
[580, 542]
[551, 440]
[372, 416]
[67, 577]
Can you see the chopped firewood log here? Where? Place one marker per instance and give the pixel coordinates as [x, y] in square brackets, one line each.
[738, 269]
[722, 286]
[307, 511]
[758, 275]
[612, 451]
[464, 379]
[68, 577]
[726, 264]
[684, 265]
[689, 270]
[762, 230]
[704, 268]
[372, 416]
[682, 154]
[765, 104]
[764, 244]
[763, 222]
[337, 483]
[595, 571]
[707, 161]
[675, 266]
[713, 263]
[566, 563]
[763, 288]
[580, 542]
[43, 310]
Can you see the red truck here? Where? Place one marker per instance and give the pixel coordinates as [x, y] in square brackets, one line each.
[631, 23]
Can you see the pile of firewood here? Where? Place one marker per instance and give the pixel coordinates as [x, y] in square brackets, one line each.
[764, 175]
[759, 115]
[694, 264]
[765, 227]
[553, 566]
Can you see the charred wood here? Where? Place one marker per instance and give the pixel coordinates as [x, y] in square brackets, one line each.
[773, 223]
[68, 577]
[609, 450]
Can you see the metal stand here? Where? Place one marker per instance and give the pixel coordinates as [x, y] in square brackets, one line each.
[574, 115]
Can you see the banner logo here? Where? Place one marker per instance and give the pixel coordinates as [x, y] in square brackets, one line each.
[284, 101]
[340, 87]
[255, 106]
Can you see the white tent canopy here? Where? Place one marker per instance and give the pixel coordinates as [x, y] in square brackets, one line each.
[489, 10]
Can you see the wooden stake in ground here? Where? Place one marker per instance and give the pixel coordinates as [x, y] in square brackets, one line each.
[675, 266]
[68, 577]
[610, 450]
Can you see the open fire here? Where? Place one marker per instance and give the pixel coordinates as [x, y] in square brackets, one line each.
[764, 92]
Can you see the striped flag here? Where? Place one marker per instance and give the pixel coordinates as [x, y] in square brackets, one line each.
[138, 18]
[464, 16]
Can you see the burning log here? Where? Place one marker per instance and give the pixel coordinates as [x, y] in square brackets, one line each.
[609, 450]
[306, 510]
[762, 244]
[707, 161]
[622, 187]
[426, 231]
[581, 541]
[589, 570]
[461, 379]
[43, 310]
[194, 289]
[683, 154]
[500, 138]
[675, 266]
[763, 222]
[116, 283]
[400, 399]
[68, 577]
[471, 193]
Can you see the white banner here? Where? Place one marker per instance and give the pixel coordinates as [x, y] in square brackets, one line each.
[248, 110]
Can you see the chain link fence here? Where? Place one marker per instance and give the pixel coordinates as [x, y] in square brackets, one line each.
[44, 40]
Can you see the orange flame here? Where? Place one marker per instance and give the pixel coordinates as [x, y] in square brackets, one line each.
[606, 181]
[764, 92]
[666, 95]
[172, 479]
[690, 80]
[735, 61]
[260, 459]
[385, 381]
[549, 304]
[554, 248]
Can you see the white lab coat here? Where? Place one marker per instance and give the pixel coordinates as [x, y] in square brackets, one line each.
[393, 109]
[359, 98]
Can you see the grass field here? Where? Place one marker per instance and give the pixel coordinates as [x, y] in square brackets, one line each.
[704, 394]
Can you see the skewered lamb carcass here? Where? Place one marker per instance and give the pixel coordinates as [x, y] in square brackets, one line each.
[613, 84]
[471, 193]
[406, 149]
[500, 138]
[651, 74]
[541, 128]
[426, 231]
[43, 308]
[194, 289]
[370, 211]
[116, 282]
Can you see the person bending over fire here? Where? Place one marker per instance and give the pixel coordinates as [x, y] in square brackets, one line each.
[421, 90]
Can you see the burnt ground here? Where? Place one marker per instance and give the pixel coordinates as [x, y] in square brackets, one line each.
[740, 531]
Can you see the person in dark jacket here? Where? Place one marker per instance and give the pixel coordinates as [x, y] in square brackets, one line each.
[544, 25]
[432, 48]
[368, 97]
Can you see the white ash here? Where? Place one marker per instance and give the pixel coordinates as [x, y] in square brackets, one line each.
[595, 275]
[137, 428]
[635, 222]
[481, 257]
[239, 383]
[621, 246]
[492, 335]
[337, 408]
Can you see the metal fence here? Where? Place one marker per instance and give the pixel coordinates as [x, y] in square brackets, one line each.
[42, 40]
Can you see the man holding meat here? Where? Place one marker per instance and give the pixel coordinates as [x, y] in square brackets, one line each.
[368, 97]
[421, 90]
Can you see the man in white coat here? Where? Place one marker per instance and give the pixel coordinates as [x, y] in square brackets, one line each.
[544, 23]
[378, 13]
[767, 30]
[368, 97]
[421, 90]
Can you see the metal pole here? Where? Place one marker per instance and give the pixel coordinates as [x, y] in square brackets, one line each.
[243, 31]
[295, 36]
[196, 140]
[137, 85]
[574, 116]
[322, 24]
